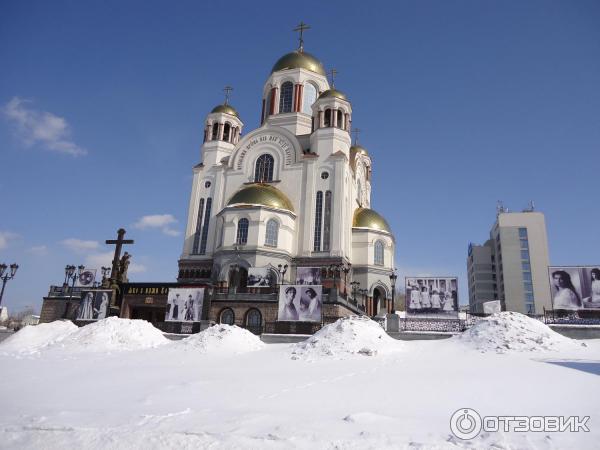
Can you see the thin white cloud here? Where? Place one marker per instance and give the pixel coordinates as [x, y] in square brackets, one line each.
[41, 127]
[39, 250]
[80, 245]
[6, 237]
[158, 221]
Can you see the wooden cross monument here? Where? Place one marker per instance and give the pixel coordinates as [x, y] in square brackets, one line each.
[119, 269]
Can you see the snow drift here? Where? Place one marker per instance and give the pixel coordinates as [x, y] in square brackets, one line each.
[32, 339]
[114, 334]
[344, 338]
[225, 339]
[513, 332]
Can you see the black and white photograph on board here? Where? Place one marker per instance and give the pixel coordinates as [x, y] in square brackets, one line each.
[94, 304]
[259, 277]
[300, 303]
[184, 305]
[432, 297]
[575, 287]
[308, 275]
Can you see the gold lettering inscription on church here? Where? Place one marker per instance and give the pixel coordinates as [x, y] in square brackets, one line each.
[147, 290]
[282, 143]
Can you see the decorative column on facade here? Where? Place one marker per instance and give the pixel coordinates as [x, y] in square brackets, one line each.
[334, 113]
[220, 132]
[321, 119]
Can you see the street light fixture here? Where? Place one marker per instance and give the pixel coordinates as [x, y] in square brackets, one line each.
[355, 285]
[393, 278]
[71, 275]
[282, 269]
[5, 276]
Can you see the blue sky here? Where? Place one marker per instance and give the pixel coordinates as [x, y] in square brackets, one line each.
[461, 104]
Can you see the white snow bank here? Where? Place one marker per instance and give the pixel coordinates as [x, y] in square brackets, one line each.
[346, 337]
[513, 332]
[222, 339]
[114, 334]
[34, 338]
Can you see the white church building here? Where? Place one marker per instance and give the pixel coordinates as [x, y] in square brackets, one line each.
[292, 193]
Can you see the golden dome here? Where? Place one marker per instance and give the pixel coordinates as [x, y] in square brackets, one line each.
[333, 93]
[299, 60]
[367, 218]
[227, 109]
[261, 194]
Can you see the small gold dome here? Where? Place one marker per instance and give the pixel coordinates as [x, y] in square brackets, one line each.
[299, 60]
[333, 93]
[227, 109]
[367, 218]
[261, 194]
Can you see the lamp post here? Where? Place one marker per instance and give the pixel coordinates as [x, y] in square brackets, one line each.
[105, 275]
[393, 278]
[5, 276]
[71, 275]
[346, 269]
[355, 285]
[282, 269]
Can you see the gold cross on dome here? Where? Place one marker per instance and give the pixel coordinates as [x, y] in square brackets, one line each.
[332, 73]
[227, 90]
[301, 27]
[355, 132]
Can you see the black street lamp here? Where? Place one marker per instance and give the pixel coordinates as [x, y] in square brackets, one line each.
[282, 269]
[105, 275]
[346, 269]
[355, 285]
[71, 275]
[5, 276]
[393, 278]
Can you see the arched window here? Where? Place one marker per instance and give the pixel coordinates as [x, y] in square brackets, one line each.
[242, 232]
[286, 97]
[254, 321]
[378, 253]
[327, 222]
[263, 171]
[272, 233]
[327, 119]
[198, 227]
[226, 132]
[268, 101]
[204, 237]
[340, 119]
[227, 316]
[215, 132]
[310, 96]
[318, 221]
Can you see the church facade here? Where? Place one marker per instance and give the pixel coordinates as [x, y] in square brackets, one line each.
[292, 193]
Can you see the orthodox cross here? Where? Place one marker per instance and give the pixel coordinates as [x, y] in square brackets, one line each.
[355, 132]
[119, 245]
[332, 73]
[300, 28]
[227, 90]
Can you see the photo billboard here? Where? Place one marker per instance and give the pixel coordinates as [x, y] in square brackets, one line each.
[184, 304]
[86, 278]
[575, 287]
[259, 277]
[94, 304]
[308, 275]
[300, 303]
[432, 296]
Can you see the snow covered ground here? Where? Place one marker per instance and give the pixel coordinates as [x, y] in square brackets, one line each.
[349, 386]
